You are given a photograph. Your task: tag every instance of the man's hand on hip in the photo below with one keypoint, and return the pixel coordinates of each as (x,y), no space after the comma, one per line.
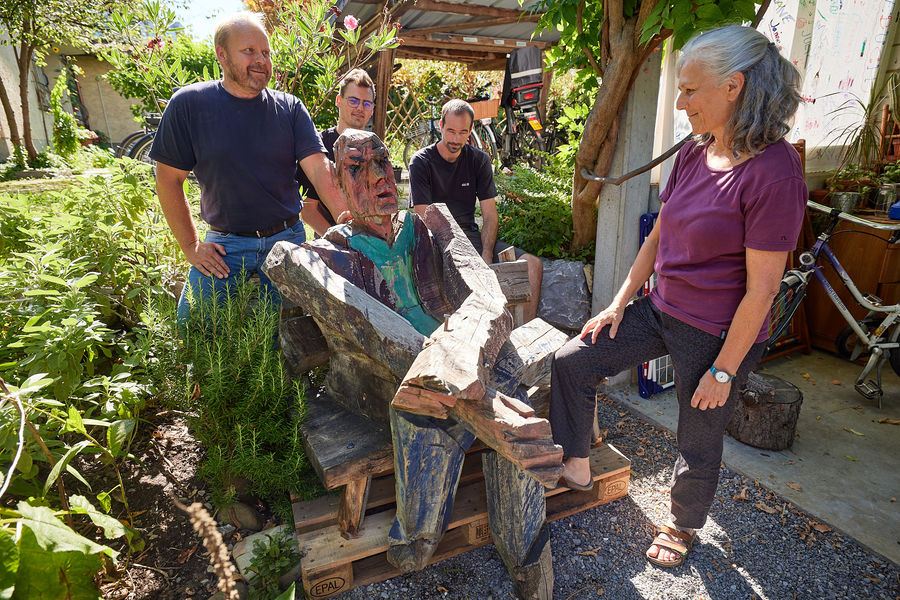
(207,257)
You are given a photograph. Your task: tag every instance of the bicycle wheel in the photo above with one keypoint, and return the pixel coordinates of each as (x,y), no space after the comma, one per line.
(529,146)
(484,134)
(423,135)
(847,341)
(141,150)
(895,352)
(786,303)
(129,141)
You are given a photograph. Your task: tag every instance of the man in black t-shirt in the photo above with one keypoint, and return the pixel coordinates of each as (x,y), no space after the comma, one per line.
(243,142)
(356,103)
(455,173)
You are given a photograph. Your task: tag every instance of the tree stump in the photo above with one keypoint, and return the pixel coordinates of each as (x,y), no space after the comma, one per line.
(766,414)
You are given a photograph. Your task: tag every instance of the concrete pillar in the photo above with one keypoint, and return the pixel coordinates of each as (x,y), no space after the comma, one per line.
(620,207)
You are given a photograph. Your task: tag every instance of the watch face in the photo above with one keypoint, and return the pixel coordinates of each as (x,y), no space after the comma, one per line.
(722,377)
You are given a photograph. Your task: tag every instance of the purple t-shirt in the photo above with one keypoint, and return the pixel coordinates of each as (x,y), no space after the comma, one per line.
(710,218)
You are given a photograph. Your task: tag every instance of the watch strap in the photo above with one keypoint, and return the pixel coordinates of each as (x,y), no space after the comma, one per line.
(714,371)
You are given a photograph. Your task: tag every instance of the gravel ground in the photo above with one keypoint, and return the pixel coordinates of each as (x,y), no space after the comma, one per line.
(755,545)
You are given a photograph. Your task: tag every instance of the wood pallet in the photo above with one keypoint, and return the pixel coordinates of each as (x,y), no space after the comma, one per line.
(331,564)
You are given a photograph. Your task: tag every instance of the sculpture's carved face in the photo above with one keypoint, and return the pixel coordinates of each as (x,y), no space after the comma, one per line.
(365,175)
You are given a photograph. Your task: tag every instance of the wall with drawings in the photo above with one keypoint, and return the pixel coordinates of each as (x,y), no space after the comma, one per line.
(846,44)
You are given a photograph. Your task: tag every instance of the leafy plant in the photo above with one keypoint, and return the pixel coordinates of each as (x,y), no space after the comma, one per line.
(891,173)
(272,558)
(66,138)
(312,47)
(247,409)
(861,139)
(536,214)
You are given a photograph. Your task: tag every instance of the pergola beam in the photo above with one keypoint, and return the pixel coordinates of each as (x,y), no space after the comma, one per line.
(470,42)
(526,18)
(463,56)
(473,10)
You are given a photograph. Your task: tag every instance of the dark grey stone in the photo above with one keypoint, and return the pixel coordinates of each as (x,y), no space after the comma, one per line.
(565,299)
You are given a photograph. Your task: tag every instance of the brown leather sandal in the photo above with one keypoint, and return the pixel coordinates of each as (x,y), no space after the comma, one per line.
(681,545)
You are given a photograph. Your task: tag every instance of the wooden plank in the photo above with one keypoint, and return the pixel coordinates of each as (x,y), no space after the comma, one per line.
(525,18)
(326,553)
(513,280)
(465,41)
(343,446)
(465,8)
(329,582)
(527,357)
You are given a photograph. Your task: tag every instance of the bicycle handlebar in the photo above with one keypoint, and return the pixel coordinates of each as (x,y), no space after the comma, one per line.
(852,218)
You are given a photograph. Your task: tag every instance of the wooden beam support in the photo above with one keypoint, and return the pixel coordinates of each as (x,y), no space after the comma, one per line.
(353,507)
(382,89)
(463,56)
(491,64)
(464,42)
(463,8)
(526,18)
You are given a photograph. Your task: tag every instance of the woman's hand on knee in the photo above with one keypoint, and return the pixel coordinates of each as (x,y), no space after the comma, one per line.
(610,315)
(710,393)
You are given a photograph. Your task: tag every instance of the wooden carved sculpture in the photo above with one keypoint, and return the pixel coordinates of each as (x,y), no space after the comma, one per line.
(430,372)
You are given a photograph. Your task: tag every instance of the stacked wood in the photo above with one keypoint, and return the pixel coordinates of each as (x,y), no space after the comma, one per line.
(332,564)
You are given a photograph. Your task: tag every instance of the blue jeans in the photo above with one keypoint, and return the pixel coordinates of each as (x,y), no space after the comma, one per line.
(244,256)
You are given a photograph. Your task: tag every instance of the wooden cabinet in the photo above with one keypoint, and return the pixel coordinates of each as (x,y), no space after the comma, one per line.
(871,263)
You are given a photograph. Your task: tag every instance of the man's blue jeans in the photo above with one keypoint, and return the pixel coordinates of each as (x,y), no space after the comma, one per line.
(244,256)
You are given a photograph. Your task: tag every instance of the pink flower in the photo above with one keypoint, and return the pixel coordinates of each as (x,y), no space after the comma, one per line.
(350,22)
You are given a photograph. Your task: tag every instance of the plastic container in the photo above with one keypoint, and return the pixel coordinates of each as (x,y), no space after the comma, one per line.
(894,212)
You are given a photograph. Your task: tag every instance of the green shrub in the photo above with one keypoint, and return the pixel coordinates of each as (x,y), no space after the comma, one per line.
(536,213)
(66,135)
(247,408)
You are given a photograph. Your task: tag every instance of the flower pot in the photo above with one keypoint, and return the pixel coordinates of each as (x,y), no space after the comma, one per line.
(844,201)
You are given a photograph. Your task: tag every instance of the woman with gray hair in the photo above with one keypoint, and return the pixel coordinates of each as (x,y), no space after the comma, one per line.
(731,212)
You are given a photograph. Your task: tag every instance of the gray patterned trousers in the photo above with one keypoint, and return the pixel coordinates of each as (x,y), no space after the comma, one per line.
(646,333)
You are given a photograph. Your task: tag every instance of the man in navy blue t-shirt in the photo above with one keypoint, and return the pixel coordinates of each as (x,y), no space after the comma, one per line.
(453,172)
(243,141)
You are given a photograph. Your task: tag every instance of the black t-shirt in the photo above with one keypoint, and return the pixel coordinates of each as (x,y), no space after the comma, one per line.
(244,152)
(329,137)
(457,184)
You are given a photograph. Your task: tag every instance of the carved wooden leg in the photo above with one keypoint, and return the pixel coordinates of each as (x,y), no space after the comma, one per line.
(518,513)
(428,460)
(353,507)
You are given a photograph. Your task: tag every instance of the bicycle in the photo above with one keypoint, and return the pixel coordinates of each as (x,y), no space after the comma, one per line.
(151,122)
(872,335)
(522,137)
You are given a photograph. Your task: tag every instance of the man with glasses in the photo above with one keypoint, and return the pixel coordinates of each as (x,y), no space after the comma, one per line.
(356,103)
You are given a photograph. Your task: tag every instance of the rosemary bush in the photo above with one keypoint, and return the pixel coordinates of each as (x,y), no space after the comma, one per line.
(247,408)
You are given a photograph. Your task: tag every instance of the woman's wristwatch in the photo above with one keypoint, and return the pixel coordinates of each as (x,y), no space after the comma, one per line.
(720,375)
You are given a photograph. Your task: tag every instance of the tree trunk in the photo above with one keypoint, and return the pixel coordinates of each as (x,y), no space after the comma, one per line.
(24,70)
(601,130)
(10,116)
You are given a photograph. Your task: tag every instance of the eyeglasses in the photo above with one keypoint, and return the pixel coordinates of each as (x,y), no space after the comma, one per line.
(354,102)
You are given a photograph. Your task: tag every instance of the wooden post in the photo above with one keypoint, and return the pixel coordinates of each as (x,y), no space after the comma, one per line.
(353,507)
(545,92)
(382,89)
(428,460)
(517,513)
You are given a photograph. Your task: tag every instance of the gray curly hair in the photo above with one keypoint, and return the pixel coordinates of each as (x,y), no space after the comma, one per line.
(771,90)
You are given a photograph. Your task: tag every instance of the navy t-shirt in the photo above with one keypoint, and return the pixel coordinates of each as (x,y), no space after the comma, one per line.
(244,152)
(457,184)
(329,137)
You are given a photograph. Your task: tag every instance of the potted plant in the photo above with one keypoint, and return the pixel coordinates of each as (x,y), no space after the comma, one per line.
(851,186)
